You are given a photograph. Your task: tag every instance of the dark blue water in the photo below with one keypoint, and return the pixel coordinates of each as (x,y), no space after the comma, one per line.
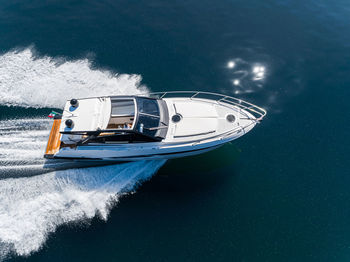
(280,193)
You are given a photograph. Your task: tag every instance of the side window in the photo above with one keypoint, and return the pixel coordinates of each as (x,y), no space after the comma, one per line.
(118,138)
(113,138)
(148,106)
(121,138)
(146,122)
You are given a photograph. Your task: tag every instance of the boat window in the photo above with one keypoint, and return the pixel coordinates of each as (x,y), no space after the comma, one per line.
(147,124)
(122,107)
(148,106)
(149,116)
(121,138)
(122,114)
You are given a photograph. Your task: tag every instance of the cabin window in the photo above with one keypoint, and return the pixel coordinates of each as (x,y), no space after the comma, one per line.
(145,124)
(122,114)
(122,107)
(148,106)
(121,138)
(148,117)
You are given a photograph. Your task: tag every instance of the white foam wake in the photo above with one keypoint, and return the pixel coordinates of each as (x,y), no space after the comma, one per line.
(32,207)
(33,81)
(22,144)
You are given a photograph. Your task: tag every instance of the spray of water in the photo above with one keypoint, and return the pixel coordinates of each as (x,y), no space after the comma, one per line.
(31,207)
(29,80)
(22,143)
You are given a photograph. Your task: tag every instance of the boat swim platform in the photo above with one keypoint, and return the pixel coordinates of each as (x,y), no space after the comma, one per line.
(54,143)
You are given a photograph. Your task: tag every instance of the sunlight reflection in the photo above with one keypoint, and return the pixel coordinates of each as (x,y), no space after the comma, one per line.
(236,82)
(231,64)
(246,77)
(259,72)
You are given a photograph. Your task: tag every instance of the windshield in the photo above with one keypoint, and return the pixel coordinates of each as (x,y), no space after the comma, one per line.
(148,106)
(149,116)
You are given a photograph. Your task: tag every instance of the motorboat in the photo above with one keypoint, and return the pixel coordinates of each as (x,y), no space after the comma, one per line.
(159,125)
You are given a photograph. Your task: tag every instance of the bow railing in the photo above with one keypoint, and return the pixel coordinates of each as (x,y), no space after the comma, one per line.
(258,112)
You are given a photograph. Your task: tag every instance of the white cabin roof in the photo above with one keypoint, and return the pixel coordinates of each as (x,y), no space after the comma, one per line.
(90,114)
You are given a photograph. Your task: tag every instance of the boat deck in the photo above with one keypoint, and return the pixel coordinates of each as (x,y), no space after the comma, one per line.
(54,143)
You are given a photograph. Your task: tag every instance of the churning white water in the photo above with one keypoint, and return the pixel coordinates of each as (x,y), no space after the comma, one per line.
(42,81)
(22,143)
(31,207)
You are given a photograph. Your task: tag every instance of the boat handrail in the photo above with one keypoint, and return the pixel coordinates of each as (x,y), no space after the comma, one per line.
(258,112)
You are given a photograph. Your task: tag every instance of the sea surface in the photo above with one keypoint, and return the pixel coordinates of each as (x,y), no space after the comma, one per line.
(279,193)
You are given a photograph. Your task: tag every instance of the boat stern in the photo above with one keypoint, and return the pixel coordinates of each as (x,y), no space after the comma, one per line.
(54,142)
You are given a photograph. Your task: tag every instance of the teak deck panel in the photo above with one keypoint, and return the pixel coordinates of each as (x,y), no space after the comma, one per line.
(54,143)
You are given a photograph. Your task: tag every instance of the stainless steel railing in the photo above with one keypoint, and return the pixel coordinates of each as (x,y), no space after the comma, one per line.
(258,112)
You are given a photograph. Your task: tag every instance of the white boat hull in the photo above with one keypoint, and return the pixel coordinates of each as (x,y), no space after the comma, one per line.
(204,124)
(136,152)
